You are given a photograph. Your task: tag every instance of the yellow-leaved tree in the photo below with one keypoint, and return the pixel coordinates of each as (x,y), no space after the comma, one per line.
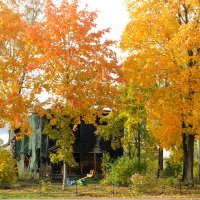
(163,50)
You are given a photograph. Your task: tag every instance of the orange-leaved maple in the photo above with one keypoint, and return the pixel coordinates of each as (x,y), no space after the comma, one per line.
(163,47)
(78,63)
(64,54)
(79,70)
(17,82)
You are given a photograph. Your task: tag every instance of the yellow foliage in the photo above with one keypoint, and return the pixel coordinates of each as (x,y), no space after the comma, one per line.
(53,121)
(7,169)
(162,43)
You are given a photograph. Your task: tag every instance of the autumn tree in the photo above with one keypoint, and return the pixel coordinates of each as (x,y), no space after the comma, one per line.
(60,127)
(78,63)
(12,68)
(64,55)
(18,85)
(162,42)
(125,127)
(30,10)
(78,66)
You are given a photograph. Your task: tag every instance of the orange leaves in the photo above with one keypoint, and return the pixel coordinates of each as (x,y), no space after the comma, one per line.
(18,119)
(18,59)
(30,67)
(10,23)
(64,55)
(75,56)
(53,121)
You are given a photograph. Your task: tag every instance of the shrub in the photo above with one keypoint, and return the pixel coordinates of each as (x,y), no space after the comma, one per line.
(7,169)
(106,163)
(45,186)
(24,175)
(172,169)
(150,185)
(122,170)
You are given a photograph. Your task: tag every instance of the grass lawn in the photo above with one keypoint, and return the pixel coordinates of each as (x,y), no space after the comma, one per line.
(27,190)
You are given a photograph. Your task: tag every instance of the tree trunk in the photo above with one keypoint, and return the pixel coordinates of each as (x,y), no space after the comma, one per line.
(64,175)
(198,157)
(139,148)
(160,161)
(188,157)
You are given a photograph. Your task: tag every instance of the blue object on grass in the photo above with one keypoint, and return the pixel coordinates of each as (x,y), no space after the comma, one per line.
(70,181)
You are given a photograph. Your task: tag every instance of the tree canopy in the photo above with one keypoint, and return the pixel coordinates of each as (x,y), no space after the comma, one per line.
(162,42)
(63,54)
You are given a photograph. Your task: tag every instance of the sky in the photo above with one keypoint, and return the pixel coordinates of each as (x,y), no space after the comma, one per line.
(111,14)
(4,134)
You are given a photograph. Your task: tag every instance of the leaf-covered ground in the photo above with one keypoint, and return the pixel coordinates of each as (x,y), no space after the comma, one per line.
(54,190)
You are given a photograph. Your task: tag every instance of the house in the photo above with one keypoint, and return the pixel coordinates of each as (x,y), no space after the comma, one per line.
(32,153)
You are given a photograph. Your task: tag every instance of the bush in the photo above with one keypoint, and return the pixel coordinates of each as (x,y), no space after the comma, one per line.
(45,186)
(122,170)
(172,169)
(106,163)
(7,169)
(150,185)
(24,175)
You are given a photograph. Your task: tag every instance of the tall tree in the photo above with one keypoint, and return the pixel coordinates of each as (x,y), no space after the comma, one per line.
(19,83)
(31,10)
(63,54)
(126,127)
(77,63)
(60,128)
(15,55)
(79,69)
(162,43)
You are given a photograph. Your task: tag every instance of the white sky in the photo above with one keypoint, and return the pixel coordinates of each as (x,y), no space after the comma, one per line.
(112,14)
(4,134)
